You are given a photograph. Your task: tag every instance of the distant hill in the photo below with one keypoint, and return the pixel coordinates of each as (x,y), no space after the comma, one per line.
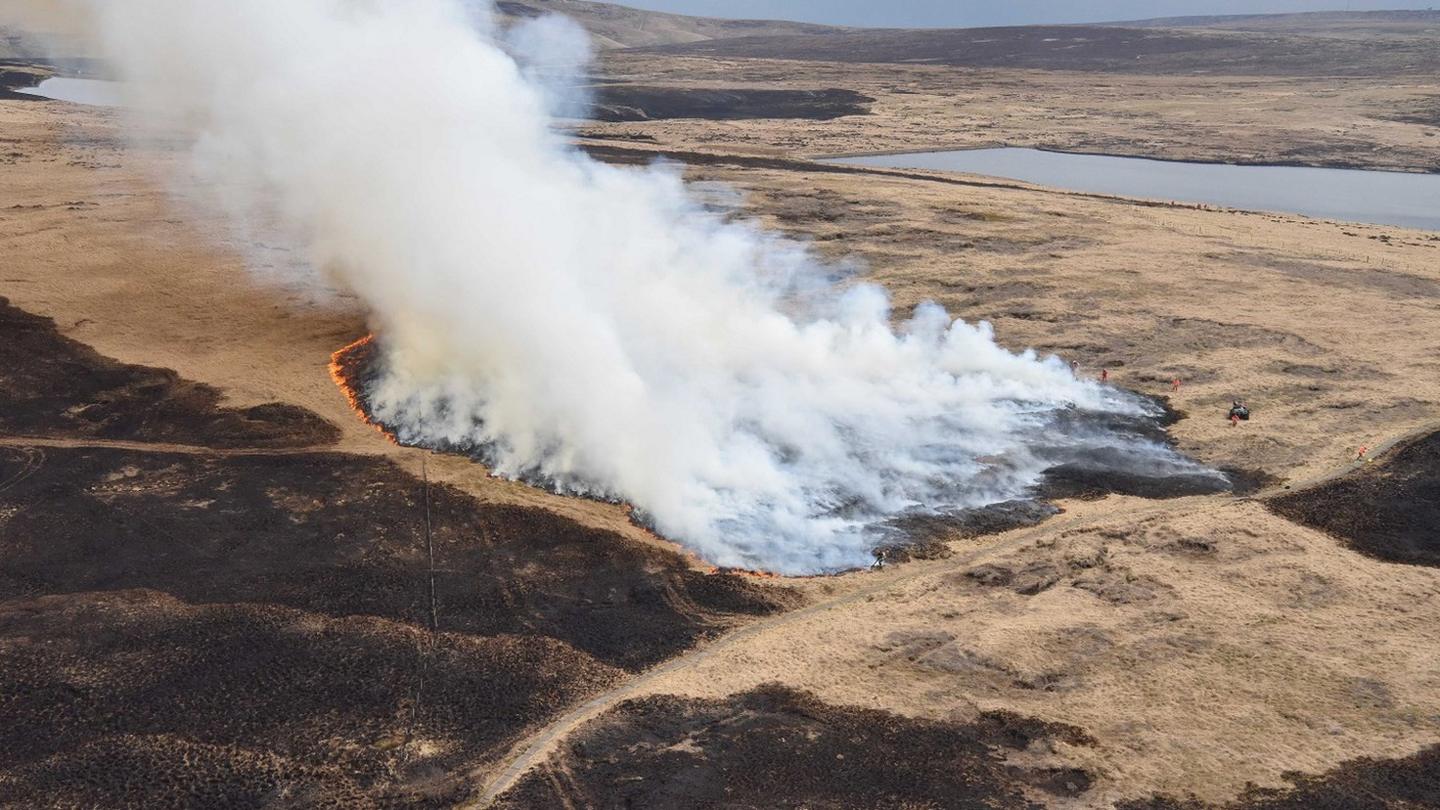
(1378,43)
(613,26)
(1141,49)
(616,26)
(619,26)
(1319,23)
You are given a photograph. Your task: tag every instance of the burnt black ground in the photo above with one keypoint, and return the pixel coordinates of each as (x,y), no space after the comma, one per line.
(341,535)
(1102,49)
(203,629)
(136,699)
(16,75)
(1404,783)
(1389,510)
(284,644)
(207,630)
(779,748)
(55,387)
(625,102)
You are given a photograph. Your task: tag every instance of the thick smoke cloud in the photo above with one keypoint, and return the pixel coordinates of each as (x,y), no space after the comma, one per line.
(554,52)
(584,325)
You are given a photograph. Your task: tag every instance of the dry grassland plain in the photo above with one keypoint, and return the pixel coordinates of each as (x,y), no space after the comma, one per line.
(1202,649)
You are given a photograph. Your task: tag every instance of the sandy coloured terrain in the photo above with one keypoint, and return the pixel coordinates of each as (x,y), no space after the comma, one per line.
(1387,122)
(1143,648)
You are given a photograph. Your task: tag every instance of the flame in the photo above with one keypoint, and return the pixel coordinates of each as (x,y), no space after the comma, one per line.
(746,572)
(352,396)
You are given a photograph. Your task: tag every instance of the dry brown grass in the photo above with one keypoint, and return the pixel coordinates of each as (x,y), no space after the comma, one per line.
(1204,643)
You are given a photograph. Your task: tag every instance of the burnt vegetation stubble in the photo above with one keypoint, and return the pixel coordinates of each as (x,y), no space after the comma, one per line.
(1389,510)
(200,628)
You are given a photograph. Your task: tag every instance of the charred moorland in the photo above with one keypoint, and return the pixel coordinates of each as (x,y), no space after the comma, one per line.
(242,619)
(778,747)
(54,387)
(1388,509)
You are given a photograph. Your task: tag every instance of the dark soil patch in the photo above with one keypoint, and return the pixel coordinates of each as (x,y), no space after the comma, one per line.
(135,699)
(12,82)
(614,103)
(1389,510)
(1082,482)
(922,537)
(778,748)
(593,135)
(206,629)
(1248,481)
(1109,49)
(343,535)
(1391,282)
(1199,336)
(55,387)
(1425,113)
(1407,783)
(16,75)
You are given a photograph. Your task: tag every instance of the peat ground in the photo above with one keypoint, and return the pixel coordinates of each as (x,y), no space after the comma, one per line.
(775,747)
(54,387)
(198,628)
(1389,509)
(1099,49)
(1403,783)
(626,102)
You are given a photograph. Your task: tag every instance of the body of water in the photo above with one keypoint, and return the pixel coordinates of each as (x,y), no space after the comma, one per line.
(1381,198)
(80,91)
(1351,195)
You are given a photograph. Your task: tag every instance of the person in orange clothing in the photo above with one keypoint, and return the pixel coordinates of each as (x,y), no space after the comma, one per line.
(1238,413)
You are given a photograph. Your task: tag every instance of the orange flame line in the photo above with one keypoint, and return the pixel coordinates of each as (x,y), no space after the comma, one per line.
(337,374)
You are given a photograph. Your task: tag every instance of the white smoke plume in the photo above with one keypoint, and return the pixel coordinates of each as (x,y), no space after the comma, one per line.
(590,326)
(554,52)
